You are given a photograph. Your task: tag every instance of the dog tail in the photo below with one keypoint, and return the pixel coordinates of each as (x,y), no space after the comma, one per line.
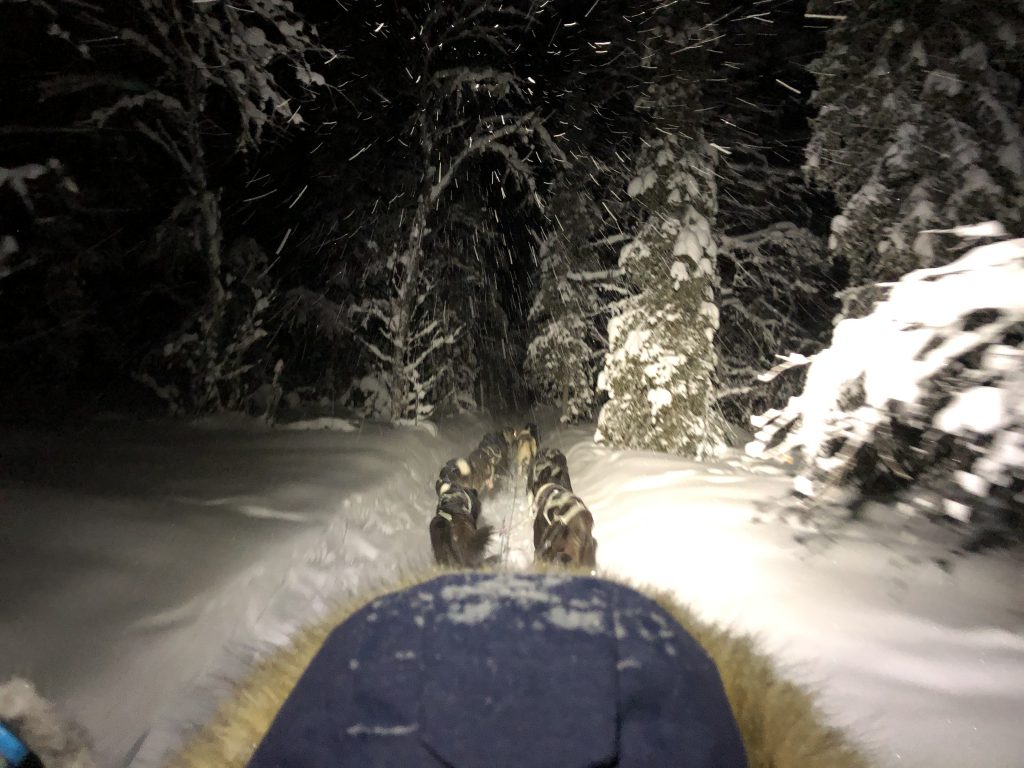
(442,542)
(478,543)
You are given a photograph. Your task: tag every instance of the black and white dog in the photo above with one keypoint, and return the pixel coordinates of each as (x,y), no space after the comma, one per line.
(455,536)
(563,528)
(549,466)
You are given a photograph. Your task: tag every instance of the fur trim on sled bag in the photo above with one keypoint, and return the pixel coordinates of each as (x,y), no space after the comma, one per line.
(495,668)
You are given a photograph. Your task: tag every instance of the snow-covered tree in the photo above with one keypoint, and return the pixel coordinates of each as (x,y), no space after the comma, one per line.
(660,369)
(775,298)
(455,301)
(919,126)
(467,106)
(186,376)
(573,289)
(562,357)
(189,72)
(926,392)
(319,342)
(19,182)
(471,250)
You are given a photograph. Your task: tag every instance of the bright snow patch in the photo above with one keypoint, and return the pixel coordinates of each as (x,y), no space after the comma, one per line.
(659,398)
(591,622)
(382,730)
(979,410)
(324,422)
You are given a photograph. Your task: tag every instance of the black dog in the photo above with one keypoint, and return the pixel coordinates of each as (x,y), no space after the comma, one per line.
(455,473)
(455,537)
(549,466)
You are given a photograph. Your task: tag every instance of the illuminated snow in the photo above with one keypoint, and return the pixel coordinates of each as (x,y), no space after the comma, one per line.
(927,664)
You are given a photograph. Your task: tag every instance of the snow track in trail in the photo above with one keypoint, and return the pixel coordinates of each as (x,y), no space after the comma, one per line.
(371,538)
(508,511)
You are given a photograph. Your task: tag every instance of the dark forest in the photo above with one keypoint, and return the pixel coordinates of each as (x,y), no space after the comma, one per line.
(772,229)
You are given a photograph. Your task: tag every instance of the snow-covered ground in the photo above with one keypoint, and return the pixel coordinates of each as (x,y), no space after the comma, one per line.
(143,566)
(919,651)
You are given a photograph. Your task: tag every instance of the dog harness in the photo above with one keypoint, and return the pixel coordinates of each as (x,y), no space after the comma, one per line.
(452,491)
(567,518)
(548,489)
(564,520)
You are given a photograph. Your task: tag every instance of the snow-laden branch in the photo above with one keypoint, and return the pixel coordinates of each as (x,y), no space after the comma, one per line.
(496,83)
(169,105)
(778,231)
(792,360)
(19,177)
(374,350)
(160,137)
(468,19)
(939,356)
(596,276)
(619,237)
(481,142)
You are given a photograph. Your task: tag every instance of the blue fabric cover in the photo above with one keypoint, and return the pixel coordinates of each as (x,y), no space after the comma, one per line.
(488,670)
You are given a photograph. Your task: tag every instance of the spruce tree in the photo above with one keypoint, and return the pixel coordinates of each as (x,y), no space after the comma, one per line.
(659,372)
(918,127)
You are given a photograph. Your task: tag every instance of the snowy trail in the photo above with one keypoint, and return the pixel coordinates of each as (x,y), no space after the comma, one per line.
(145,566)
(508,511)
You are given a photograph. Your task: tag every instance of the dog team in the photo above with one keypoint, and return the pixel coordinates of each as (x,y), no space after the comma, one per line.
(563,527)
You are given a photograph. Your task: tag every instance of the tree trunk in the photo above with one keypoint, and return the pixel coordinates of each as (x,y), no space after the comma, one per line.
(211,320)
(403,307)
(210,241)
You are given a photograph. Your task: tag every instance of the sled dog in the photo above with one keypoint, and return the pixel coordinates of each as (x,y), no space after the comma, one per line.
(496,446)
(455,473)
(549,466)
(524,451)
(563,528)
(482,470)
(477,471)
(455,537)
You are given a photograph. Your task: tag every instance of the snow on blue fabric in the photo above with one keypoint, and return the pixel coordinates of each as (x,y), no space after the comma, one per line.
(483,670)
